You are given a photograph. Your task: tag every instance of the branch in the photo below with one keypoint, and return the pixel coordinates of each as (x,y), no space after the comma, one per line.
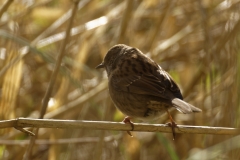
(117,126)
(61,141)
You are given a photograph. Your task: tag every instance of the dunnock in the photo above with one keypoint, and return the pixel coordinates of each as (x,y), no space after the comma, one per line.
(139,87)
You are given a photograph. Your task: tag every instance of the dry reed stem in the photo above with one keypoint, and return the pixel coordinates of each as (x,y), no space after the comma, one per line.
(61,141)
(52,81)
(5,7)
(125,21)
(117,126)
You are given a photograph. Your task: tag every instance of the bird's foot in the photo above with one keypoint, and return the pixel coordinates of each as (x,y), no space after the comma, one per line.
(127,120)
(173,125)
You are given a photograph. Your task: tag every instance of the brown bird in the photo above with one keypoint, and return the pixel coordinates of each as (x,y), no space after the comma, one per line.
(140,88)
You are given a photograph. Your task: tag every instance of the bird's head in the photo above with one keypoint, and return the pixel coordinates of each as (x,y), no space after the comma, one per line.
(112,57)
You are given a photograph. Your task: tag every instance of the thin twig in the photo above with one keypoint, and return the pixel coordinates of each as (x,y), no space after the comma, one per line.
(24,12)
(5,7)
(35,43)
(25,131)
(117,126)
(125,21)
(60,141)
(159,24)
(52,80)
(58,64)
(59,22)
(172,40)
(8,123)
(73,105)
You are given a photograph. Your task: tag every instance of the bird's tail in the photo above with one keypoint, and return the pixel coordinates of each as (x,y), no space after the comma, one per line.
(184,107)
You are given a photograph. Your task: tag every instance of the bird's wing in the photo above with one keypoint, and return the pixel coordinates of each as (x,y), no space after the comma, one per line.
(158,84)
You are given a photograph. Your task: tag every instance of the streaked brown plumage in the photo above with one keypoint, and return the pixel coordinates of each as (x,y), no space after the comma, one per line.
(139,87)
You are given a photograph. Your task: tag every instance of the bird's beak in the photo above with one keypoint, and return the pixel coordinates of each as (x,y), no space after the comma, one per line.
(100,66)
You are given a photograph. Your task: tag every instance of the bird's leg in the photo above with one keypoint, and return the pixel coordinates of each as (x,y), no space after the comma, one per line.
(127,120)
(172,124)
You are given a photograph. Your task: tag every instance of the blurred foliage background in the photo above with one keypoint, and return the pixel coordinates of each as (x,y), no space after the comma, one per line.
(196,41)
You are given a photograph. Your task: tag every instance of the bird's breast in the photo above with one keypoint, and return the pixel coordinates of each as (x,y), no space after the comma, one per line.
(137,105)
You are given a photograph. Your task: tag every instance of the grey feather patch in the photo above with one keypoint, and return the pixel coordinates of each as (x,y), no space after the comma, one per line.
(184,107)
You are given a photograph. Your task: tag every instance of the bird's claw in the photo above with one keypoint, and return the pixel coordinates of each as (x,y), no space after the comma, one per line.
(173,125)
(127,120)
